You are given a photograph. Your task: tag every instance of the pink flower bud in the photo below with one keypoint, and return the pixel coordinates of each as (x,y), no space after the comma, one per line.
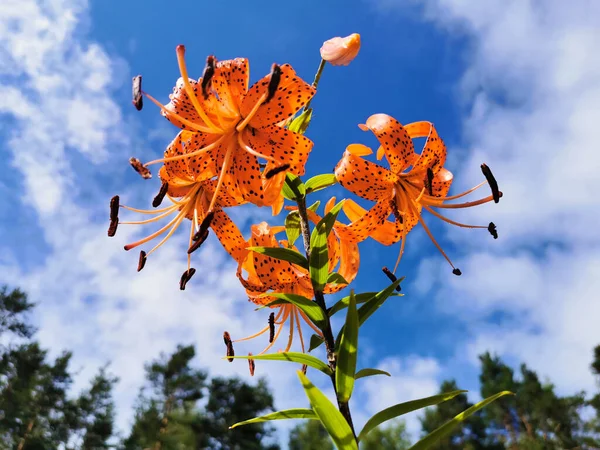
(341,51)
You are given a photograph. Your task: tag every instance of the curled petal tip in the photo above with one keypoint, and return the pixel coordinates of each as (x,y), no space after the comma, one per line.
(340,51)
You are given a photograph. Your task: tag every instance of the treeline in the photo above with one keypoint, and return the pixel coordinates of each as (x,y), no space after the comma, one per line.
(182,407)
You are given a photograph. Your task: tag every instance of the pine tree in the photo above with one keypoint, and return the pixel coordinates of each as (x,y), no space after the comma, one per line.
(391,437)
(309,435)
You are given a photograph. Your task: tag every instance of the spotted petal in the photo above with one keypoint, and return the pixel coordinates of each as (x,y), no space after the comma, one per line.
(433,155)
(394,139)
(365,179)
(230,81)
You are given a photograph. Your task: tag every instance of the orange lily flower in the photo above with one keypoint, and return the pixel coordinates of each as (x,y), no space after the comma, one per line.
(189,200)
(266,274)
(413,182)
(227,127)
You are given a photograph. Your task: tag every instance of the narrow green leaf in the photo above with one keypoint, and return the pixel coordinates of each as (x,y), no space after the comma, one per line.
(301,122)
(293,187)
(447,428)
(404,408)
(369,372)
(370,306)
(319,182)
(330,417)
(310,308)
(301,358)
(336,278)
(285,254)
(319,258)
(315,341)
(360,298)
(292,227)
(294,413)
(315,206)
(346,364)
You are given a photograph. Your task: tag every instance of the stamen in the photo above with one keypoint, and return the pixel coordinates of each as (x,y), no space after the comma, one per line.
(452,222)
(250,150)
(198,242)
(457,272)
(285,316)
(273,82)
(180,219)
(207,75)
(188,123)
(299,329)
(188,155)
(142,261)
(114,216)
(304,367)
(469,204)
(489,176)
(462,194)
(240,126)
(161,194)
(403,241)
(154,219)
(140,168)
(251,365)
(429,181)
(204,225)
(391,276)
(187,276)
(271,173)
(310,324)
(492,230)
(291,335)
(224,169)
(264,330)
(190,91)
(271,327)
(229,345)
(147,211)
(136,92)
(155,234)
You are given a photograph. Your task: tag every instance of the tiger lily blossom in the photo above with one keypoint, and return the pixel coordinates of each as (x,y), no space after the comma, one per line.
(227,127)
(189,200)
(266,274)
(412,183)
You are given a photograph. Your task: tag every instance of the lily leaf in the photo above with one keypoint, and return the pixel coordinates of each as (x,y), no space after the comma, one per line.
(346,364)
(370,372)
(292,227)
(447,428)
(360,298)
(330,417)
(285,254)
(336,278)
(293,187)
(294,413)
(315,206)
(404,408)
(315,341)
(301,358)
(310,308)
(301,122)
(319,257)
(319,182)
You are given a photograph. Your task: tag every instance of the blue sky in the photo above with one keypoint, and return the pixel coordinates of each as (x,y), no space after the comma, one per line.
(509,83)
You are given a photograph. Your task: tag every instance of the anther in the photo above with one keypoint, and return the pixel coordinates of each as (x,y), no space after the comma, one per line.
(271,327)
(273,82)
(457,272)
(204,226)
(271,173)
(251,365)
(185,277)
(489,176)
(229,345)
(142,260)
(136,93)
(304,367)
(198,241)
(492,229)
(429,181)
(114,216)
(161,195)
(207,75)
(391,276)
(140,168)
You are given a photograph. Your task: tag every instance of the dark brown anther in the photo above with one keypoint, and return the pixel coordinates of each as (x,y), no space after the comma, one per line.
(207,75)
(391,276)
(457,272)
(492,229)
(271,327)
(198,242)
(271,173)
(489,176)
(204,226)
(161,195)
(229,345)
(273,82)
(304,367)
(251,365)
(136,92)
(142,260)
(114,216)
(429,181)
(140,168)
(185,277)
(112,228)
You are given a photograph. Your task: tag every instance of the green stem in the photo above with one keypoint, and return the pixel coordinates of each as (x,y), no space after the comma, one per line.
(316,81)
(320,300)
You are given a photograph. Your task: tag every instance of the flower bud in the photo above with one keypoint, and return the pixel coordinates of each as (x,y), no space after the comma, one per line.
(341,51)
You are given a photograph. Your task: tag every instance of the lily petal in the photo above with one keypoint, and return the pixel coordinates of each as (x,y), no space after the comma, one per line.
(396,143)
(365,179)
(433,155)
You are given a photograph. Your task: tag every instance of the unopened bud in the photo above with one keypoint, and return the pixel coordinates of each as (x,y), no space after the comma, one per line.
(340,51)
